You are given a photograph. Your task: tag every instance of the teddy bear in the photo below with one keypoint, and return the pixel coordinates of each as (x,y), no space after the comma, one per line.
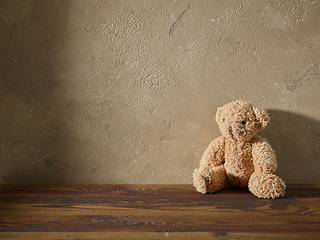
(240,158)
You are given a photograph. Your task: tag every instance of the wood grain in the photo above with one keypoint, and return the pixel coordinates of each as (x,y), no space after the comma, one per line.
(156,211)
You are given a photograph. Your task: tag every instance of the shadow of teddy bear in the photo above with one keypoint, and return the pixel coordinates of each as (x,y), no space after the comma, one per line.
(296,140)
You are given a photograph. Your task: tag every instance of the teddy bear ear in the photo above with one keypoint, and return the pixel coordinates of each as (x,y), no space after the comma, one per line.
(219,115)
(262,117)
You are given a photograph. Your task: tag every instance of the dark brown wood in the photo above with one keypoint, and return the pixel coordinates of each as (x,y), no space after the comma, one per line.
(156,210)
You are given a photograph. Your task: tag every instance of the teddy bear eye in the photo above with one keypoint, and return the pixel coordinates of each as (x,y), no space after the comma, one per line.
(243,122)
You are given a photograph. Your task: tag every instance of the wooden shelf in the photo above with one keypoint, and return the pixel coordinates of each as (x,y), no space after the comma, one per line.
(155,212)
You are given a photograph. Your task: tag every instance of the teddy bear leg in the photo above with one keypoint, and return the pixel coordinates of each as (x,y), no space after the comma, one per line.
(210,179)
(266,185)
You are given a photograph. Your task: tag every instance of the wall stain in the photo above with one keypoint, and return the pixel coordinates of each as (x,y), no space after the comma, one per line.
(311,74)
(167,137)
(177,23)
(51,163)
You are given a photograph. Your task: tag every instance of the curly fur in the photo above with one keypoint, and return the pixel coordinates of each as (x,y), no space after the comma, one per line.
(239,158)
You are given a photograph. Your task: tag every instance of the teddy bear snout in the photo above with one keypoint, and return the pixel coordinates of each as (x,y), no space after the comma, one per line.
(239,131)
(230,131)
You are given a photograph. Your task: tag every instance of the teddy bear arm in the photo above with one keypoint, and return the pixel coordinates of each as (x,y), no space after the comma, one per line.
(213,156)
(264,157)
(263,183)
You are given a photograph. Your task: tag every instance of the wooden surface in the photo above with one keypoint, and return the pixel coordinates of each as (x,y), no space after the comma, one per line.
(155,212)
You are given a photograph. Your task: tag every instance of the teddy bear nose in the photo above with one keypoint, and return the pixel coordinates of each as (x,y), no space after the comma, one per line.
(243,122)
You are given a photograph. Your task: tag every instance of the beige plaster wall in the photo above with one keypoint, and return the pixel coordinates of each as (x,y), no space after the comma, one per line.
(126,91)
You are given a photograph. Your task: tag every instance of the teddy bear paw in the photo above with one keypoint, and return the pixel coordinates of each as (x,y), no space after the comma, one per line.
(267,186)
(209,180)
(198,182)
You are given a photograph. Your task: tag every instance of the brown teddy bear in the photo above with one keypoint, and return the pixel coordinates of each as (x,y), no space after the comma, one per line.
(240,158)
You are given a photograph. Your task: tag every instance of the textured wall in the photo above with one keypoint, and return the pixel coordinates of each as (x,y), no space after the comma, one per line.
(126,91)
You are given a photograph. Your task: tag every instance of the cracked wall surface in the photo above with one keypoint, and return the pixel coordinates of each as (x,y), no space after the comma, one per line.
(127,91)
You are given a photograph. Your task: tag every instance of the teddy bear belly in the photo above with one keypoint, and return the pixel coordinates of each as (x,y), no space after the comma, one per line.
(238,173)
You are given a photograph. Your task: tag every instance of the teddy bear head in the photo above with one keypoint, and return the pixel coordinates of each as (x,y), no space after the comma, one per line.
(240,120)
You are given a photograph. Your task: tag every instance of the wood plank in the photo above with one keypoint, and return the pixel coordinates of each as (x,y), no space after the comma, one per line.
(150,235)
(157,209)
